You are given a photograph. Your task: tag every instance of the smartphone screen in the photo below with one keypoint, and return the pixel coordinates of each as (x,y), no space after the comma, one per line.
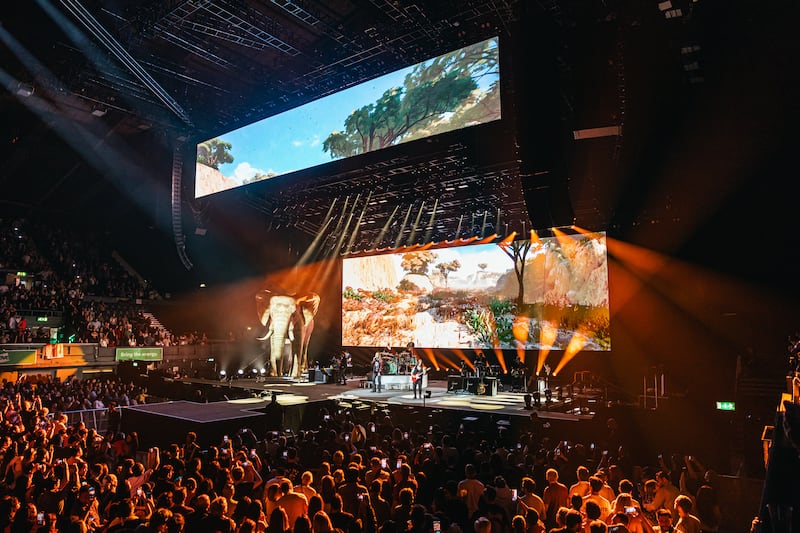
(437,528)
(384,463)
(40,519)
(399,463)
(514,494)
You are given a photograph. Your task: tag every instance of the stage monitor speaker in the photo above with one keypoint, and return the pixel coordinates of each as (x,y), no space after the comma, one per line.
(548,204)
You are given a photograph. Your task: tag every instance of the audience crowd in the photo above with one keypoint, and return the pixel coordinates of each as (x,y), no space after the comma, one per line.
(66,273)
(345,475)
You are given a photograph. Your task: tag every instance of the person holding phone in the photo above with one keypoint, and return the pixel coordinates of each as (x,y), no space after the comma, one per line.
(85,513)
(377,471)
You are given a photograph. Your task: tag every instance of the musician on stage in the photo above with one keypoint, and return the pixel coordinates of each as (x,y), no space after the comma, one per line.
(417,372)
(377,372)
(480,364)
(343,368)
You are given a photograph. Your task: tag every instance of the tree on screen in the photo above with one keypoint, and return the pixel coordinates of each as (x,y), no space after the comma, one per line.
(445,85)
(418,262)
(446,268)
(518,251)
(214,153)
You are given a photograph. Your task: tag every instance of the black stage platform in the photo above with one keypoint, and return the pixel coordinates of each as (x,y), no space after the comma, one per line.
(242,403)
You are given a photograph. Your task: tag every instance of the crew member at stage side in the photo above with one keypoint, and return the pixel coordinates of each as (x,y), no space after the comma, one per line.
(464,369)
(377,372)
(417,372)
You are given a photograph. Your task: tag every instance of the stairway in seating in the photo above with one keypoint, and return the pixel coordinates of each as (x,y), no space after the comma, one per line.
(155,322)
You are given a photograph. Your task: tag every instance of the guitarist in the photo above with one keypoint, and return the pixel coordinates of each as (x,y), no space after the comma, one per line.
(416,377)
(377,372)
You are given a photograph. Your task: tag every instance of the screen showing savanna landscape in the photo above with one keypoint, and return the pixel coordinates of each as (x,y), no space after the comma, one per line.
(530,294)
(445,93)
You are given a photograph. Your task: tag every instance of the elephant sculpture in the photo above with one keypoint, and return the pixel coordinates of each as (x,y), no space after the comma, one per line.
(281,314)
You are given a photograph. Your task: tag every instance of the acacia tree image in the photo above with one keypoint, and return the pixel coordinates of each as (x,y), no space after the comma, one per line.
(445,85)
(445,268)
(518,251)
(214,152)
(418,262)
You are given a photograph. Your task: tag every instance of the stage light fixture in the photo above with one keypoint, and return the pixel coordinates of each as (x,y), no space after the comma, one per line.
(99,111)
(241,371)
(548,395)
(255,371)
(222,373)
(25,90)
(427,394)
(263,371)
(527,398)
(537,399)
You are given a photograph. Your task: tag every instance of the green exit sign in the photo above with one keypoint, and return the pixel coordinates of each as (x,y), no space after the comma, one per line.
(41,319)
(726,406)
(22,274)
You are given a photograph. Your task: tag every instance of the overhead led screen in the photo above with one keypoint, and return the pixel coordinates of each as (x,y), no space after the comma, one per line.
(448,92)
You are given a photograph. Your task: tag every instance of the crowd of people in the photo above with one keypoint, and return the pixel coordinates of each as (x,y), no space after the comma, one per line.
(74,276)
(347,474)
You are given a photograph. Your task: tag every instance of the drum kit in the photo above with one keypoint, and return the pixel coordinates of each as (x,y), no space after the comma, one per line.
(394,364)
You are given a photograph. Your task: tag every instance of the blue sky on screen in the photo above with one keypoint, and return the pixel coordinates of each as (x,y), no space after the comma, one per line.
(292,140)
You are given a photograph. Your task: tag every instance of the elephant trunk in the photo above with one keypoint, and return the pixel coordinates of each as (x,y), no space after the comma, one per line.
(280,329)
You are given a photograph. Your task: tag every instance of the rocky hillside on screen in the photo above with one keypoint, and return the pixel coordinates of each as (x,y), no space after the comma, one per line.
(566,289)
(210,180)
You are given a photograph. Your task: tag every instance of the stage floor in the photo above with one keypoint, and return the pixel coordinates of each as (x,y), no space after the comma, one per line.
(293,393)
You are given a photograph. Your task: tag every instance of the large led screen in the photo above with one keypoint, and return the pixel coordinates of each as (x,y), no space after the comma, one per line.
(445,93)
(471,296)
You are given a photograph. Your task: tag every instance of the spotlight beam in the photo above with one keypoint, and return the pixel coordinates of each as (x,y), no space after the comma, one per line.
(416,224)
(352,240)
(385,228)
(429,229)
(403,227)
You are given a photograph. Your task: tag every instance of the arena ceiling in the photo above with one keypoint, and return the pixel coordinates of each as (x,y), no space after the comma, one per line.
(99,94)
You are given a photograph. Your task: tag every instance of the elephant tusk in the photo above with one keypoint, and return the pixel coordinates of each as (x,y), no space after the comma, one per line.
(265,337)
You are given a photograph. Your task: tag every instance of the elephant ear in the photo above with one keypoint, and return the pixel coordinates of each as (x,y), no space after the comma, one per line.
(262,303)
(308,305)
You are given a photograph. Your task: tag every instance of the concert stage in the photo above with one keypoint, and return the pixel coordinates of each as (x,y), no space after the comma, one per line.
(243,403)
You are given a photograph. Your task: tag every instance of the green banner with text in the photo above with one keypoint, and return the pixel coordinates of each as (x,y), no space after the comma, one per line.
(17,357)
(140,354)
